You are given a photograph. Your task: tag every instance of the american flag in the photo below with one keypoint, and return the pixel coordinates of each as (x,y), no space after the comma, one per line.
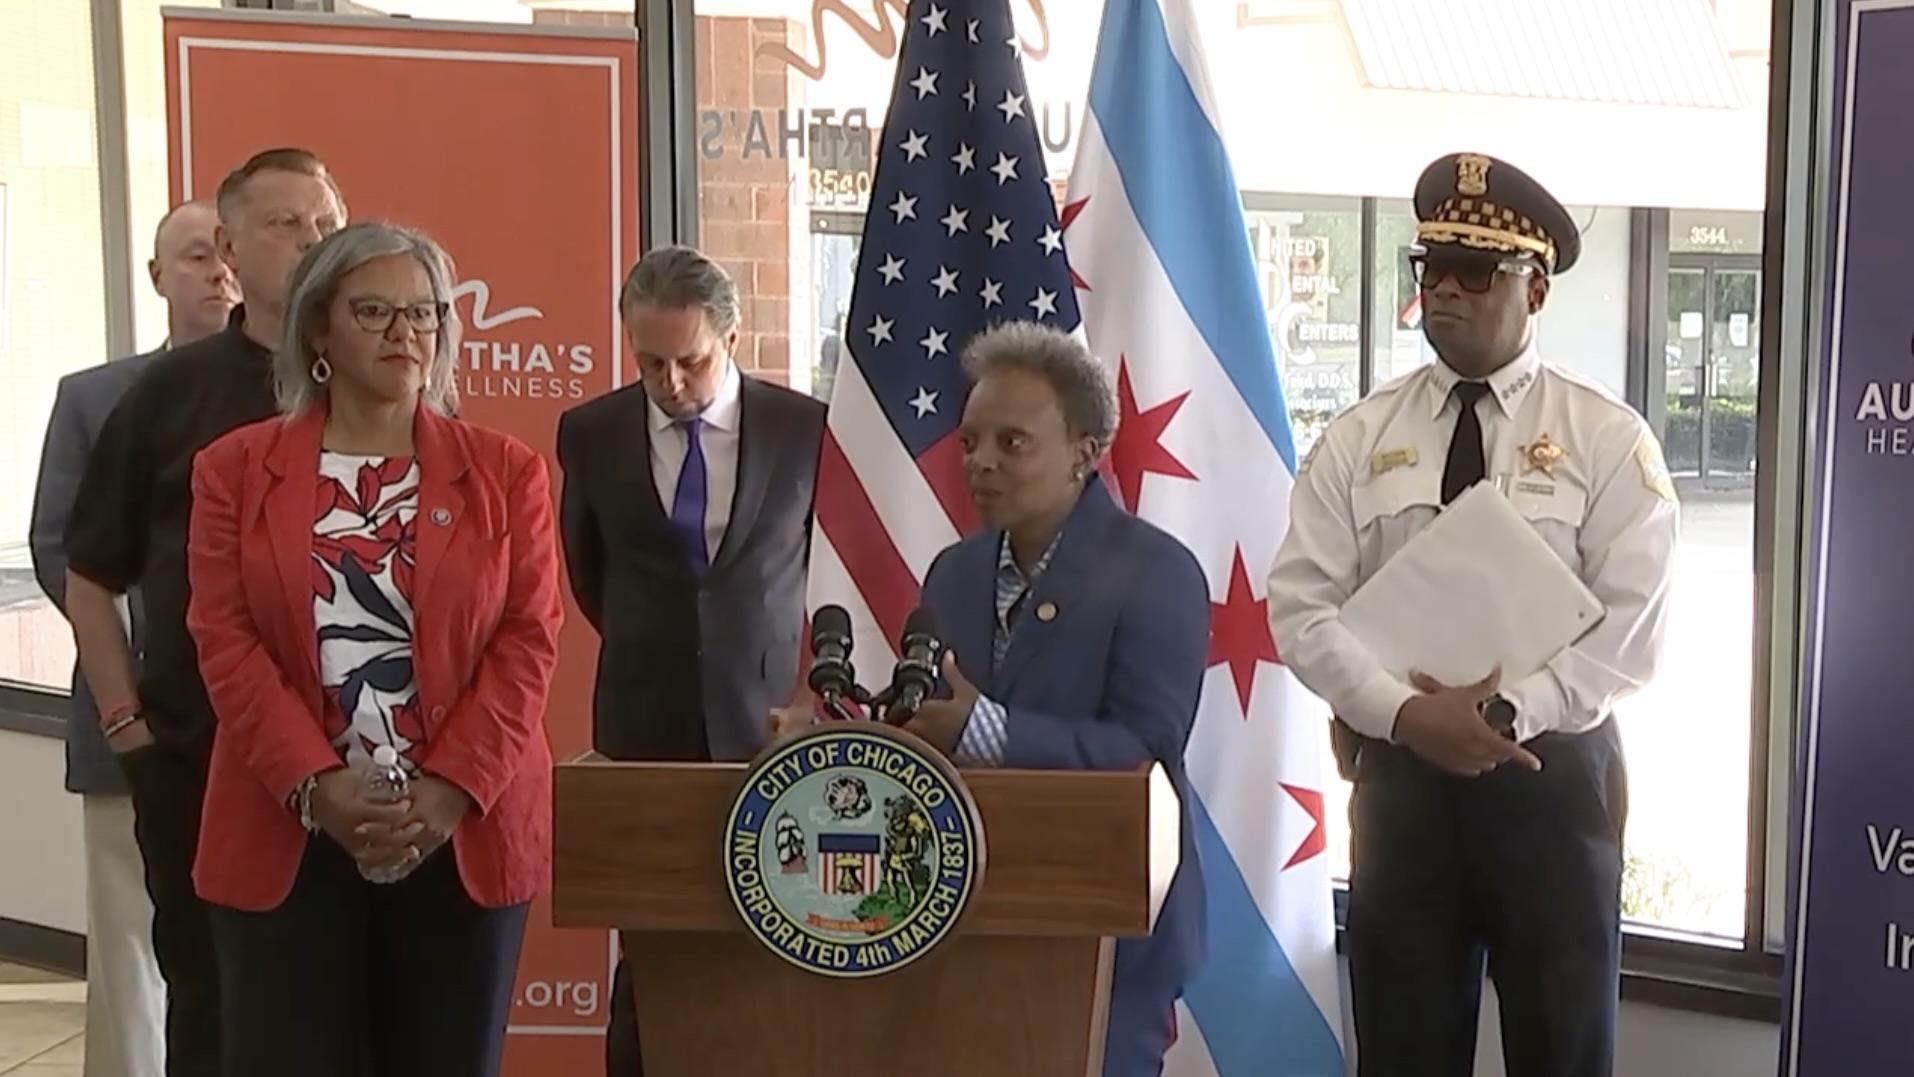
(962,233)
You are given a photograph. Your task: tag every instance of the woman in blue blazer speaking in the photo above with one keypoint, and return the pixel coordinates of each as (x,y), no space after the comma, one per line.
(1077,634)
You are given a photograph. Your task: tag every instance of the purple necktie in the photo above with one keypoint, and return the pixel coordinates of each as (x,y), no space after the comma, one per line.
(687,507)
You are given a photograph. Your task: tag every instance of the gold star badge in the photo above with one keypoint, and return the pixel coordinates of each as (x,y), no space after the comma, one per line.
(1542,455)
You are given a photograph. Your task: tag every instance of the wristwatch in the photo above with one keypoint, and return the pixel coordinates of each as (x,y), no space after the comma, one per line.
(1500,714)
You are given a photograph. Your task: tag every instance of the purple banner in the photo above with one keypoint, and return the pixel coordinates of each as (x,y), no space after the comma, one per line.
(1850,984)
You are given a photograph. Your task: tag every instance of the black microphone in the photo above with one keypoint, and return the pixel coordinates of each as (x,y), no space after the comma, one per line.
(832,675)
(915,677)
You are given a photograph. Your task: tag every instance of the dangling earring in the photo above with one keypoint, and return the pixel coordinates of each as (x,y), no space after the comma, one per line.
(321,371)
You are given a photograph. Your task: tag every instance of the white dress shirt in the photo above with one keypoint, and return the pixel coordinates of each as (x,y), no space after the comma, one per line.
(1579,464)
(719,439)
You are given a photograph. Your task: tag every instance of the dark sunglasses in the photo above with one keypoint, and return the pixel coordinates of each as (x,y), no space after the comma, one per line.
(1471,272)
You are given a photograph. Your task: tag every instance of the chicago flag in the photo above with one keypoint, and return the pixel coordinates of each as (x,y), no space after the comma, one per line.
(1166,286)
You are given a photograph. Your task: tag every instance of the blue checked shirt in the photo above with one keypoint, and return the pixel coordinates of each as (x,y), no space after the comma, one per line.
(986,732)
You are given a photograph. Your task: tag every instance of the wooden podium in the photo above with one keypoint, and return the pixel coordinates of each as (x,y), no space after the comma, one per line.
(1020,989)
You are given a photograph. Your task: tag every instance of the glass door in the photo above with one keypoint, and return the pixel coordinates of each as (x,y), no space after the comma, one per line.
(1734,354)
(1713,357)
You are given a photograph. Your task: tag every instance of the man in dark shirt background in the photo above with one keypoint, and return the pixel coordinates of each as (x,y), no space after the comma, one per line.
(129,528)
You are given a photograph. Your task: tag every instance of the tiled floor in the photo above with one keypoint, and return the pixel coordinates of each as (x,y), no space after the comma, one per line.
(42,1023)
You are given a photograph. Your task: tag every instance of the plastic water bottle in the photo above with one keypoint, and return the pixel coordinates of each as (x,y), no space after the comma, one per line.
(385,782)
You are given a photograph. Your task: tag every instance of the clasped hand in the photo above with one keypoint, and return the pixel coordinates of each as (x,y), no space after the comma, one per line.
(388,835)
(1444,726)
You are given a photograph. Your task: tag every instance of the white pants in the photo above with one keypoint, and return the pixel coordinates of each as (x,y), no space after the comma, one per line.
(125,997)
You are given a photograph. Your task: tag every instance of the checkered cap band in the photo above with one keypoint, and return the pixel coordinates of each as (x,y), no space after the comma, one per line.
(1486,225)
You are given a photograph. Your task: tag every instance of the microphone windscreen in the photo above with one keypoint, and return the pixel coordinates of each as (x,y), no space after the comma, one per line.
(920,623)
(830,621)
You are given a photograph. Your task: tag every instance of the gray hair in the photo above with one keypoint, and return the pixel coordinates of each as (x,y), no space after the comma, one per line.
(1081,382)
(681,277)
(309,304)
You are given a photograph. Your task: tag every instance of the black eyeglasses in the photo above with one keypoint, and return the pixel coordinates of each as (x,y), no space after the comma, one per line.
(1472,273)
(377,316)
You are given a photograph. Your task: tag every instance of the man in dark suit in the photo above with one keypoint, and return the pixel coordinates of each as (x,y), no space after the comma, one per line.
(125,997)
(687,520)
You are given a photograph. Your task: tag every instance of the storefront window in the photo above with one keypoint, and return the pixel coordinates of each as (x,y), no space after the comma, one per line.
(1397,324)
(52,293)
(1309,263)
(791,105)
(1687,733)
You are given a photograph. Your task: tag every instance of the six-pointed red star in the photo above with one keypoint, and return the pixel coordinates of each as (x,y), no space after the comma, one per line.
(1239,632)
(1239,626)
(1070,212)
(1318,839)
(1139,442)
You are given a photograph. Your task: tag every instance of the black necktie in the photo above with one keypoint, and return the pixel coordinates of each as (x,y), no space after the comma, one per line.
(1466,465)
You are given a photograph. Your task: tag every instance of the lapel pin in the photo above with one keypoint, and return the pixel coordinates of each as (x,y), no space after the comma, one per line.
(1047,612)
(441,516)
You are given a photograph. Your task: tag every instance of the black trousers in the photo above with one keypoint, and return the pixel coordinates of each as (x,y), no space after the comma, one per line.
(1518,869)
(622,1058)
(168,787)
(348,978)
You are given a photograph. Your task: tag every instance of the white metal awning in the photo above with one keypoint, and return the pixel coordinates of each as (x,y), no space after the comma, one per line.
(1635,52)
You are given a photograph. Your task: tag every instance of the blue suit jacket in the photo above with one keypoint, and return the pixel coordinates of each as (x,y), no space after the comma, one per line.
(80,408)
(1109,684)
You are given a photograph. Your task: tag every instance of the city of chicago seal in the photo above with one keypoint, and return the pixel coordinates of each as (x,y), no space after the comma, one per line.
(852,849)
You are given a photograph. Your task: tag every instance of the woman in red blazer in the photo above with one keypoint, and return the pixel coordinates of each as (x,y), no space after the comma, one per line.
(367,571)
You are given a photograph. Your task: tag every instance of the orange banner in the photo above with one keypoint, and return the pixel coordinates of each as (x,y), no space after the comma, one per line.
(517,150)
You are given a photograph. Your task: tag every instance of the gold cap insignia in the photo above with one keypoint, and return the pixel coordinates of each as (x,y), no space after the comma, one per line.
(1472,174)
(1542,455)
(1047,612)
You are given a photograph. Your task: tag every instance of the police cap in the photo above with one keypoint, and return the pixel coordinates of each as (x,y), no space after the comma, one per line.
(1478,202)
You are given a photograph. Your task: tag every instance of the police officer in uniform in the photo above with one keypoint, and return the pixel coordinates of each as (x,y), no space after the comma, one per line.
(1487,818)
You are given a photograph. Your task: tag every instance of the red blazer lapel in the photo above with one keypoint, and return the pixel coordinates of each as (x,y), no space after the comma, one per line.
(290,506)
(443,462)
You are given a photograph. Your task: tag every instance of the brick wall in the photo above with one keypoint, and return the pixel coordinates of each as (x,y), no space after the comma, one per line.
(745,218)
(562,17)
